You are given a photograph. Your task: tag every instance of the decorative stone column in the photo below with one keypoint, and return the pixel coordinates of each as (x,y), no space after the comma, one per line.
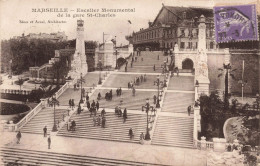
(203,145)
(201,68)
(177,56)
(79,63)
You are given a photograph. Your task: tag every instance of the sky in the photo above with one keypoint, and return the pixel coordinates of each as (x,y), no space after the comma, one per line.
(14,11)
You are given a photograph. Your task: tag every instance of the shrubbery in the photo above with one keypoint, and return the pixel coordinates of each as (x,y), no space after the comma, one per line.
(10,108)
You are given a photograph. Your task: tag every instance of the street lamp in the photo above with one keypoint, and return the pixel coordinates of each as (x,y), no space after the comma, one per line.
(157,83)
(53,102)
(116,60)
(100,68)
(147,108)
(116,54)
(81,80)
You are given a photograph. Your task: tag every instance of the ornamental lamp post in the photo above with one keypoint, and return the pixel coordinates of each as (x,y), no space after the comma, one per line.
(147,108)
(81,96)
(116,60)
(157,83)
(53,102)
(116,54)
(100,68)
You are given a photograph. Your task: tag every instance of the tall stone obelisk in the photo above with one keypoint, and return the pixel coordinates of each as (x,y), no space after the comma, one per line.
(79,63)
(201,72)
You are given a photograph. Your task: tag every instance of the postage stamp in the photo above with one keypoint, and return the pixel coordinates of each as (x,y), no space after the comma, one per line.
(235,23)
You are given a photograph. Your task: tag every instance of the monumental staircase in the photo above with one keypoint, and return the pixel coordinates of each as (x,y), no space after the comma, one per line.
(15,156)
(173,131)
(115,129)
(44,118)
(177,102)
(146,62)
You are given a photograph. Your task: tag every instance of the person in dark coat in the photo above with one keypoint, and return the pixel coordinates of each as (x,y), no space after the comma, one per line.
(131,133)
(120,91)
(116,110)
(49,142)
(73,125)
(103,112)
(45,131)
(111,95)
(154,99)
(117,92)
(133,91)
(79,109)
(154,67)
(142,78)
(103,122)
(189,110)
(87,97)
(93,104)
(98,120)
(99,96)
(88,105)
(18,136)
(125,115)
(97,105)
(119,112)
(70,103)
(129,85)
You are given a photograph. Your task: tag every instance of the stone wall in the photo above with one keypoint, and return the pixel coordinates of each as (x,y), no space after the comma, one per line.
(251,73)
(252,65)
(215,61)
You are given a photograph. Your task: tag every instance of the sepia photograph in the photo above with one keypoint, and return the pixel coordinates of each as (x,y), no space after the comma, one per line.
(130,82)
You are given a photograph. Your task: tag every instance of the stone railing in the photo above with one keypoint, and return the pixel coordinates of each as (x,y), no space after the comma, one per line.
(33,112)
(29,116)
(62,89)
(203,144)
(16,91)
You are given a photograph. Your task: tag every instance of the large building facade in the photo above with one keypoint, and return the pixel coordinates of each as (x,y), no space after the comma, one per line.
(175,25)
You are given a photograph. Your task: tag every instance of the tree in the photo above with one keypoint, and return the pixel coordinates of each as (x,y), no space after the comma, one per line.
(20,83)
(59,71)
(228,72)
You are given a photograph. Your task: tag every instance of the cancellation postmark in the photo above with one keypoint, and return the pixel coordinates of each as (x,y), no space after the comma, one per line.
(235,23)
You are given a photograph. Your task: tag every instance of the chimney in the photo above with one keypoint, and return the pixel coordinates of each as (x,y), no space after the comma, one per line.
(150,24)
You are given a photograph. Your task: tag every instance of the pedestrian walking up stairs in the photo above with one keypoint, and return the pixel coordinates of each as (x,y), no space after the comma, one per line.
(145,63)
(44,118)
(173,131)
(129,101)
(115,129)
(177,102)
(13,156)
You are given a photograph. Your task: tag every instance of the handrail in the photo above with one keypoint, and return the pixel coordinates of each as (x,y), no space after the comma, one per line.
(31,114)
(39,107)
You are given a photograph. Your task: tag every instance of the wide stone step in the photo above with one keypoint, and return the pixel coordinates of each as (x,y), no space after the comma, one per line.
(33,157)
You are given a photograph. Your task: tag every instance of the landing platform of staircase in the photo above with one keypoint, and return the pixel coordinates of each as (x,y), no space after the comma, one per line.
(102,150)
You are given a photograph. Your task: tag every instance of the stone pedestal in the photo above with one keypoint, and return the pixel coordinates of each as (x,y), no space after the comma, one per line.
(203,145)
(203,87)
(219,144)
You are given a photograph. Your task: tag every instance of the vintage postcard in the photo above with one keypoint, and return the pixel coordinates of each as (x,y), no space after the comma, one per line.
(129,82)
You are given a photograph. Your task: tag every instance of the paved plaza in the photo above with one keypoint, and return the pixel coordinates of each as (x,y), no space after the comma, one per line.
(106,149)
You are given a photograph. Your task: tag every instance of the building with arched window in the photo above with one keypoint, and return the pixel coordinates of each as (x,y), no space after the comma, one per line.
(175,25)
